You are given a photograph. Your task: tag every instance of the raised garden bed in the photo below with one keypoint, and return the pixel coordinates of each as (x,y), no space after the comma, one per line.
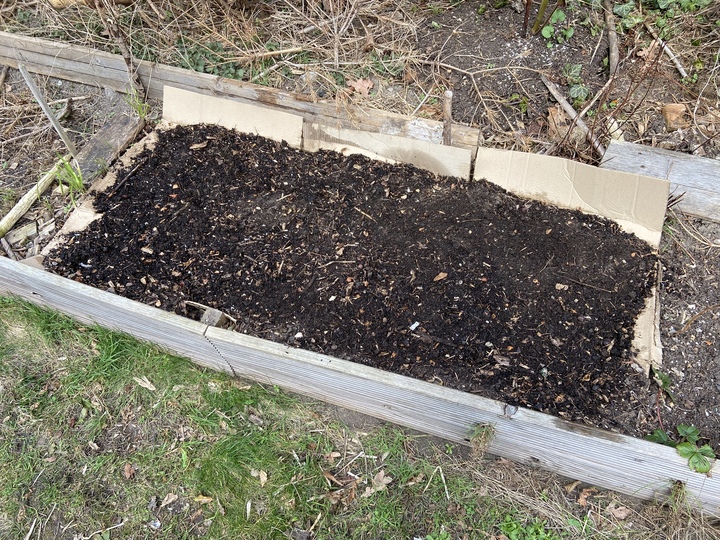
(611,460)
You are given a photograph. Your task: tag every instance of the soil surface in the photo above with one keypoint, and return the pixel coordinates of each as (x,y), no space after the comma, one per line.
(456,283)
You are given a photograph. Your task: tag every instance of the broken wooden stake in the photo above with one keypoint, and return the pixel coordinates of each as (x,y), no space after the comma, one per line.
(447,118)
(613,51)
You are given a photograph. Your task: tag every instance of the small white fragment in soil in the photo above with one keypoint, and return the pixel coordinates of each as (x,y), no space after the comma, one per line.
(333,297)
(154,524)
(299,335)
(414,325)
(561,287)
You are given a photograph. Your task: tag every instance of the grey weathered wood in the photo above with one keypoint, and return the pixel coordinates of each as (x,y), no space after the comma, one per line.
(610,460)
(90,66)
(107,144)
(93,306)
(698,178)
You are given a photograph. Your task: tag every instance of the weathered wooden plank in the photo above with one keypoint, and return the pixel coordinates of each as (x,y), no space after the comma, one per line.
(71,70)
(93,306)
(605,459)
(694,176)
(97,67)
(107,144)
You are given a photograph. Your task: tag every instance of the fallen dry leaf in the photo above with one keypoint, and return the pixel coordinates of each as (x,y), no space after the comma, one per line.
(261,475)
(169,499)
(203,499)
(585,494)
(379,483)
(198,145)
(145,383)
(129,471)
(619,512)
(440,276)
(361,86)
(674,113)
(571,487)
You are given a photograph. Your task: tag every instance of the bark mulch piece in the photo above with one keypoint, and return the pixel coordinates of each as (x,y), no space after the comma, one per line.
(453,282)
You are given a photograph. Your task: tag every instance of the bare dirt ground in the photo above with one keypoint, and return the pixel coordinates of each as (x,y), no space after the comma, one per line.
(408,54)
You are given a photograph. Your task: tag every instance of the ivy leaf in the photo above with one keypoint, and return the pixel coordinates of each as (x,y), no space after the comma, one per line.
(623,10)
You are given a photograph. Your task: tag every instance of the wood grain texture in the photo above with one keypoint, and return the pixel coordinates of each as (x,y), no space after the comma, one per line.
(89,66)
(610,460)
(107,144)
(698,178)
(93,306)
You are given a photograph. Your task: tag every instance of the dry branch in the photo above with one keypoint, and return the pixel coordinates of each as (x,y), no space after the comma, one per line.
(613,52)
(667,51)
(24,204)
(572,113)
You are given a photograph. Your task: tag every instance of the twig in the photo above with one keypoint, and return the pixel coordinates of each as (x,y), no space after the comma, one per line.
(695,317)
(117,186)
(364,214)
(667,50)
(46,109)
(3,75)
(107,529)
(24,204)
(32,528)
(105,11)
(599,148)
(614,53)
(447,118)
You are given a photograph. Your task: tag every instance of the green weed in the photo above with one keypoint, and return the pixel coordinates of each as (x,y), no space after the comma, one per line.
(69,177)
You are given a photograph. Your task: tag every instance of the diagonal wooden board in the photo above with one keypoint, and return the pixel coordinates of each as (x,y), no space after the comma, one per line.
(624,464)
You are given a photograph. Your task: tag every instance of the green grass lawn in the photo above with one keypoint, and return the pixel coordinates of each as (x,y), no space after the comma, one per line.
(106,437)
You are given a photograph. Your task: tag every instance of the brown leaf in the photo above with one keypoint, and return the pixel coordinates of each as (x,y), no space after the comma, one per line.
(619,512)
(169,499)
(440,276)
(129,471)
(260,475)
(361,86)
(674,113)
(381,481)
(571,487)
(585,494)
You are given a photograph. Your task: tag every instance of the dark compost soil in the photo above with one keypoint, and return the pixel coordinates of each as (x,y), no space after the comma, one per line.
(454,282)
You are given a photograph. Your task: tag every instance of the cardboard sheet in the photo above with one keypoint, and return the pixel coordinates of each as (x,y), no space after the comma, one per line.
(185,108)
(436,158)
(634,201)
